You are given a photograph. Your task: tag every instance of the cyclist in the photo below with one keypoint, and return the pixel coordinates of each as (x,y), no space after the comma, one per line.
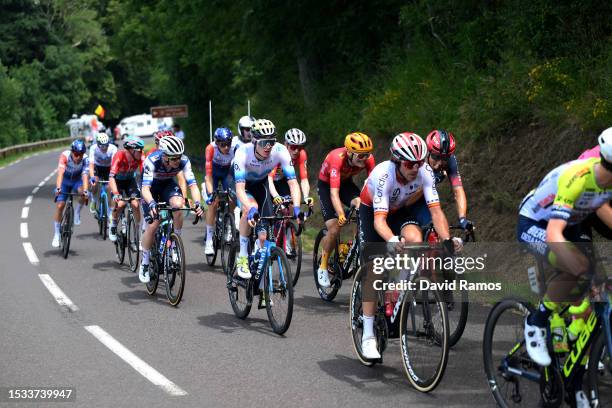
(219,156)
(252,164)
(100,156)
(72,171)
(123,180)
(550,220)
(157,136)
(336,187)
(442,159)
(396,197)
(244,132)
(158,184)
(295,140)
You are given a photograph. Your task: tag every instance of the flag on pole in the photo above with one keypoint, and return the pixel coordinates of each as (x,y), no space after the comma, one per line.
(100,111)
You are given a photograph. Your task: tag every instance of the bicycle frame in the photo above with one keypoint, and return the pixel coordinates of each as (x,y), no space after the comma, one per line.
(102,195)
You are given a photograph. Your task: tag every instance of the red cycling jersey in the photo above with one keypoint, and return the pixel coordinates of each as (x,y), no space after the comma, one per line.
(335,169)
(278,174)
(124,166)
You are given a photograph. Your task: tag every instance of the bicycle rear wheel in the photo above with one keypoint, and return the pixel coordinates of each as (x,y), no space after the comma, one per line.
(278,287)
(120,242)
(600,372)
(457,306)
(104,219)
(424,337)
(504,350)
(227,239)
(154,271)
(133,242)
(293,250)
(335,276)
(240,291)
(174,263)
(66,229)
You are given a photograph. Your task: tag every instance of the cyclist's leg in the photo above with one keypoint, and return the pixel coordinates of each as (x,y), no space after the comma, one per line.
(211,215)
(331,222)
(133,190)
(77,187)
(174,197)
(103,173)
(60,204)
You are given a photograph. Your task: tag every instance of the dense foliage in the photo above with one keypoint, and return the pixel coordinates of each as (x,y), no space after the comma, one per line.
(480,68)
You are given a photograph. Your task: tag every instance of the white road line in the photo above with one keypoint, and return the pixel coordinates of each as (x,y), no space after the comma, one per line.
(17,161)
(24,212)
(42,183)
(28,200)
(29,250)
(56,292)
(35,190)
(137,364)
(24,230)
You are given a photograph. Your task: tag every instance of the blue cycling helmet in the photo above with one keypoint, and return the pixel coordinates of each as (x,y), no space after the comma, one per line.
(78,146)
(133,142)
(223,134)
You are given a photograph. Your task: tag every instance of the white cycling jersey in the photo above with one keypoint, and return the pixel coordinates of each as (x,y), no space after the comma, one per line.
(248,168)
(101,158)
(386,194)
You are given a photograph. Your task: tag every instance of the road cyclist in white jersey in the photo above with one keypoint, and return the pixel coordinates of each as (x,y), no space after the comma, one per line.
(100,158)
(243,137)
(159,184)
(252,164)
(397,196)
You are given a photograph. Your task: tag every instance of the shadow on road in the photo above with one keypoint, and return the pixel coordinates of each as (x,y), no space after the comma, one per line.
(314,305)
(17,193)
(202,267)
(228,323)
(56,252)
(106,265)
(140,296)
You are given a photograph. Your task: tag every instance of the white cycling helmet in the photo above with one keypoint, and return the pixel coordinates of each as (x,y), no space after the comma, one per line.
(408,146)
(295,137)
(171,146)
(263,129)
(605,144)
(102,139)
(245,122)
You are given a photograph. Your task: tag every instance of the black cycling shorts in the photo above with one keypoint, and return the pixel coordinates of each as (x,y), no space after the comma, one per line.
(259,191)
(396,221)
(101,172)
(128,187)
(282,187)
(348,191)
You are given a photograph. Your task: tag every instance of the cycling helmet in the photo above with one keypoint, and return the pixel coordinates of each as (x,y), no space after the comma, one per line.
(78,146)
(441,142)
(101,128)
(74,116)
(263,129)
(358,142)
(408,146)
(605,144)
(245,122)
(295,137)
(162,133)
(223,134)
(171,146)
(102,139)
(133,142)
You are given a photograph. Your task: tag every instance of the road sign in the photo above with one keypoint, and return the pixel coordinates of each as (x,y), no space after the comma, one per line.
(173,111)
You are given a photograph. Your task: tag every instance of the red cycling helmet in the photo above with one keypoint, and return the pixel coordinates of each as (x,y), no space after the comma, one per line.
(160,134)
(440,142)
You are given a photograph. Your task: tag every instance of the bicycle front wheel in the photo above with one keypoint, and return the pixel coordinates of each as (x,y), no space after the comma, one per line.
(133,242)
(174,263)
(154,271)
(327,294)
(424,337)
(293,250)
(458,307)
(104,219)
(278,287)
(227,240)
(600,372)
(240,291)
(66,229)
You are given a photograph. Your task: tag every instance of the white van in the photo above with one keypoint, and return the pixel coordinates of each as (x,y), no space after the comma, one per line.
(143,125)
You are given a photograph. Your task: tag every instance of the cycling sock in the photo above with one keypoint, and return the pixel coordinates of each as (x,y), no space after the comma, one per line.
(368,326)
(145,257)
(78,208)
(178,231)
(209,232)
(244,246)
(324,258)
(56,227)
(540,316)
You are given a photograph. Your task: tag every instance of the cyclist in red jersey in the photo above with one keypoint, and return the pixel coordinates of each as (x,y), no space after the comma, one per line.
(295,140)
(336,188)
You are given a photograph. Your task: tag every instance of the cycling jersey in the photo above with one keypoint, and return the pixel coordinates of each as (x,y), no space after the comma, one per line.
(335,169)
(236,144)
(72,170)
(124,166)
(216,159)
(451,169)
(247,168)
(155,170)
(386,194)
(588,154)
(302,158)
(569,192)
(101,158)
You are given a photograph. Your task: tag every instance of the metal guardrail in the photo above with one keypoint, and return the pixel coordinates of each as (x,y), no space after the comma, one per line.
(26,147)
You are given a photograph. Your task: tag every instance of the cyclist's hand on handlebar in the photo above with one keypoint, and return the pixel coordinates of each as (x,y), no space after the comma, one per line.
(93,180)
(453,245)
(152,210)
(252,216)
(117,197)
(85,194)
(278,200)
(198,209)
(210,199)
(309,201)
(466,224)
(58,191)
(341,220)
(298,214)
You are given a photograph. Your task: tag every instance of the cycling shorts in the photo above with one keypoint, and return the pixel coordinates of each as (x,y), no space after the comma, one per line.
(69,186)
(128,187)
(282,187)
(102,172)
(260,192)
(162,191)
(396,221)
(348,191)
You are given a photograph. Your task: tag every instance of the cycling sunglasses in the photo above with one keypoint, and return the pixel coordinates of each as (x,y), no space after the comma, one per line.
(173,158)
(439,157)
(295,148)
(407,164)
(224,144)
(361,156)
(266,143)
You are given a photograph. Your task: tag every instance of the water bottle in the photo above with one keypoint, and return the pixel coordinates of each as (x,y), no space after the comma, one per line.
(559,334)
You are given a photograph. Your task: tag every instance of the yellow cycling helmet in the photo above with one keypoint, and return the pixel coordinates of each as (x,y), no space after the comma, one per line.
(358,143)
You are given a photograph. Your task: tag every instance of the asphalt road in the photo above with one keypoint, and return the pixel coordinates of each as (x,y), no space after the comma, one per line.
(198,354)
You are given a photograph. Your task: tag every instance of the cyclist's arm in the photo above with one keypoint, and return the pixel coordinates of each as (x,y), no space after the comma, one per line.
(146,194)
(182,182)
(305,187)
(208,175)
(114,170)
(60,177)
(440,222)
(304,174)
(289,172)
(382,228)
(186,178)
(295,192)
(113,184)
(92,155)
(242,197)
(461,201)
(195,193)
(271,186)
(336,202)
(85,174)
(432,199)
(605,214)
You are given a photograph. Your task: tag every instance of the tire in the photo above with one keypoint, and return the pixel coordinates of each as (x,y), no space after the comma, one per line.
(120,246)
(174,262)
(227,240)
(457,307)
(424,337)
(327,294)
(154,271)
(599,378)
(239,291)
(133,242)
(294,256)
(506,319)
(210,259)
(66,230)
(278,294)
(104,220)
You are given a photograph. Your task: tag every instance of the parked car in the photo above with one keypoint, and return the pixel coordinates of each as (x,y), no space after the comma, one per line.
(142,125)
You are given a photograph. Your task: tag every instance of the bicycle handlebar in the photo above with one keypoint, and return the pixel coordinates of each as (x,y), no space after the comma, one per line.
(165,207)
